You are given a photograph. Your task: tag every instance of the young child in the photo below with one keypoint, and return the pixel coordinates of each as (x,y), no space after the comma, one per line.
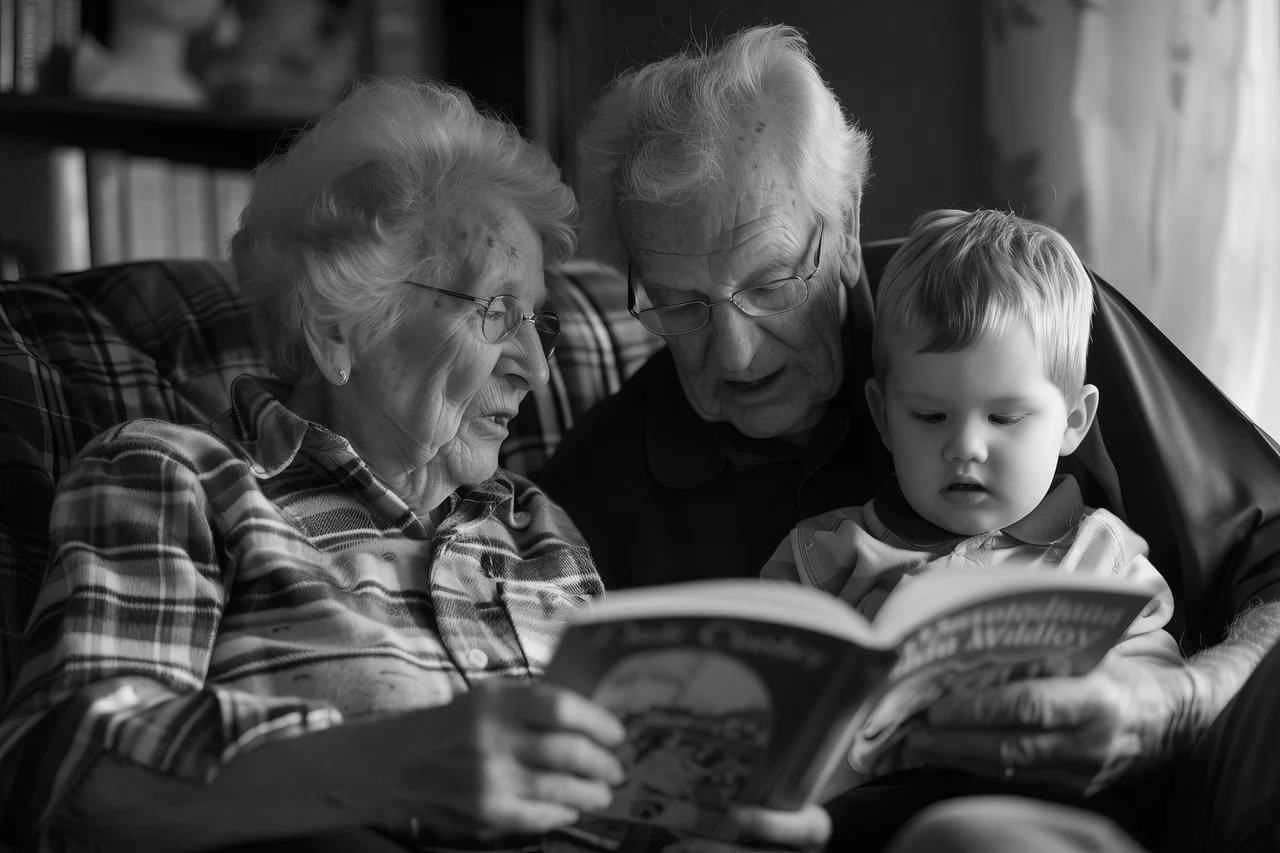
(981,336)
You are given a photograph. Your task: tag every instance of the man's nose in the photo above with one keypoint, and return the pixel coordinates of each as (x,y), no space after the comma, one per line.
(735,337)
(967,443)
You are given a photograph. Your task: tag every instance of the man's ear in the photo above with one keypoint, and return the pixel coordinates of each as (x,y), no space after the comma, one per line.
(331,350)
(877,404)
(1079,420)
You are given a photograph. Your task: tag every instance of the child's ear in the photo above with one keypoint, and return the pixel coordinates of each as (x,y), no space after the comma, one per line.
(1079,420)
(876,403)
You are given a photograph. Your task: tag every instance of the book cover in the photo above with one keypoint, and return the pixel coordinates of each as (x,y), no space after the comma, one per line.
(721,706)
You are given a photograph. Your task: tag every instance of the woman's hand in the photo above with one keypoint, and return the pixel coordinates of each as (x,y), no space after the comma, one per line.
(1082,734)
(806,830)
(506,758)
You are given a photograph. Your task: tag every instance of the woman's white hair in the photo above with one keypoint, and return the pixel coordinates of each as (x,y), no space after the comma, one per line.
(360,202)
(665,130)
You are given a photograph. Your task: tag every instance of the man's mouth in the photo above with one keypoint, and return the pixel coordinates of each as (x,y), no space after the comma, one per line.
(748,385)
(499,418)
(966,486)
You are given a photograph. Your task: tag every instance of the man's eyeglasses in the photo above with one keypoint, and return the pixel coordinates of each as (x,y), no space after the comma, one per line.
(763,300)
(503,315)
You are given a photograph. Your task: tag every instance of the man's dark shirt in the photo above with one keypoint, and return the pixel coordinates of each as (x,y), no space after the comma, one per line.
(663,496)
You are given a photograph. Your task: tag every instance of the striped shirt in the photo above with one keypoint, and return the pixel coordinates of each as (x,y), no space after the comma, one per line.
(212,588)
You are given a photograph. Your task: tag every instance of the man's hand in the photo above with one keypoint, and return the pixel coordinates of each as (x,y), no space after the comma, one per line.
(1081,734)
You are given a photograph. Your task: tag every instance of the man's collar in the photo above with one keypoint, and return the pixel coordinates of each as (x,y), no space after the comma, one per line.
(1055,515)
(686,451)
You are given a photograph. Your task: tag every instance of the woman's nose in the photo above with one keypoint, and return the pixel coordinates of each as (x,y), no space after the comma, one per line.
(734,339)
(523,361)
(967,443)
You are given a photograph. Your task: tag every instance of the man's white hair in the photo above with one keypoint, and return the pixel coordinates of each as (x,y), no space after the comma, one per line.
(664,131)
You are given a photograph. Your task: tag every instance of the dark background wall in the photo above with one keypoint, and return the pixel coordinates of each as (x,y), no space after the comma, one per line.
(909,73)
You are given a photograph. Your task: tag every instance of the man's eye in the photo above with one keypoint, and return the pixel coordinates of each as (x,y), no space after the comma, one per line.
(929,417)
(1006,420)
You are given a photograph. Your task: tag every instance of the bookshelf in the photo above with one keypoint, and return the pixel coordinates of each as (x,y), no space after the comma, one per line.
(224,140)
(77,175)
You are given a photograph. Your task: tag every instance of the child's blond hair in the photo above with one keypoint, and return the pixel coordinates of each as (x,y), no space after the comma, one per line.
(963,275)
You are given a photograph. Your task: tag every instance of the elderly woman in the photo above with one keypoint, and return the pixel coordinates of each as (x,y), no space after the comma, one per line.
(326,610)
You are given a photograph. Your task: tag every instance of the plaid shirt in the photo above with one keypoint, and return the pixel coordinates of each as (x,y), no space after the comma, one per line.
(212,588)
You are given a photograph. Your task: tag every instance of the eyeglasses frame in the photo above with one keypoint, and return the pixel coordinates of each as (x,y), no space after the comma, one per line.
(487,302)
(817,266)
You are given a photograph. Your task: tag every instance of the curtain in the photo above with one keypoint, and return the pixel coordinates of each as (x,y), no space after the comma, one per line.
(1148,132)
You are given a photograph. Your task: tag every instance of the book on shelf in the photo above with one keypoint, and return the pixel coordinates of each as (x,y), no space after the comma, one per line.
(231,191)
(8,43)
(107,176)
(148,208)
(759,692)
(42,37)
(193,234)
(44,218)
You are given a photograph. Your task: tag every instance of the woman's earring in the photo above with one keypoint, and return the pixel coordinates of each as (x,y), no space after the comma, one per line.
(342,377)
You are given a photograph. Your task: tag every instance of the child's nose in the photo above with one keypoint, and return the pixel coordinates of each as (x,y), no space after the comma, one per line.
(967,444)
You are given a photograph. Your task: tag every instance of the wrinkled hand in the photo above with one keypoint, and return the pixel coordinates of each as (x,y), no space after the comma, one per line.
(1081,734)
(506,758)
(758,829)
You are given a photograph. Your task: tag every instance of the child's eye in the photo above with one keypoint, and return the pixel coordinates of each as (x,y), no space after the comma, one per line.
(1005,420)
(929,417)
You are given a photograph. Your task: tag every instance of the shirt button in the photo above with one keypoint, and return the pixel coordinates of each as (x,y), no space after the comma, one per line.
(477,659)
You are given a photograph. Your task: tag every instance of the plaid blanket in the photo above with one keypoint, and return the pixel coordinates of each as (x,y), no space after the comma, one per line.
(83,352)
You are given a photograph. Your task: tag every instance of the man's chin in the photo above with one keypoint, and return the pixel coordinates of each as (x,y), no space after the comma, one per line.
(775,421)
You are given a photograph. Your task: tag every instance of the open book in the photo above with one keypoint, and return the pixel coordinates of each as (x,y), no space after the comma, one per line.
(754,692)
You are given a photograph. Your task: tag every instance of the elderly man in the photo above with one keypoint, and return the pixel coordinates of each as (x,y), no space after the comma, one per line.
(727,183)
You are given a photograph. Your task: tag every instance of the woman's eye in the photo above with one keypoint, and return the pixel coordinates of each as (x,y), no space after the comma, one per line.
(929,417)
(1005,420)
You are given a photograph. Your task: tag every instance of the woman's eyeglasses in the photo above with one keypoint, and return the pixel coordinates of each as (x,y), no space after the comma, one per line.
(764,300)
(503,315)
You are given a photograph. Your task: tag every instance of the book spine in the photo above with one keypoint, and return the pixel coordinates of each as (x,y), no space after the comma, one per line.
(148,220)
(106,206)
(35,41)
(55,76)
(8,43)
(231,191)
(44,223)
(192,210)
(826,734)
(70,202)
